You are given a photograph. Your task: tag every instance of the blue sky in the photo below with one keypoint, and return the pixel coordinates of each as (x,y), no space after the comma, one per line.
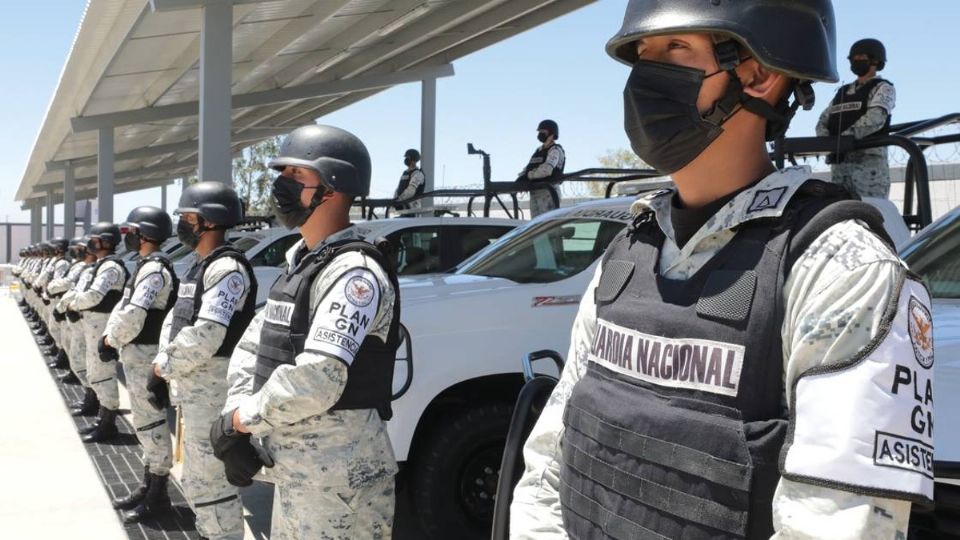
(558,70)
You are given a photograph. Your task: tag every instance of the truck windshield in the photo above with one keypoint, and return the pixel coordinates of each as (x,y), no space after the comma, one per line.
(547,252)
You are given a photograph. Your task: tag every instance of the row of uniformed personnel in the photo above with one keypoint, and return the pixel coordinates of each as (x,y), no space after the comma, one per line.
(315,395)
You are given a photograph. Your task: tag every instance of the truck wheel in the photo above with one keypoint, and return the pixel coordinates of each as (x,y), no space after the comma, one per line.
(456,471)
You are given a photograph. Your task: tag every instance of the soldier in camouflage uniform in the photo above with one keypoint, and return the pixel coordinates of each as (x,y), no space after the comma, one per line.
(56,270)
(39,320)
(77,347)
(312,377)
(215,303)
(134,328)
(739,328)
(545,166)
(57,289)
(861,109)
(95,302)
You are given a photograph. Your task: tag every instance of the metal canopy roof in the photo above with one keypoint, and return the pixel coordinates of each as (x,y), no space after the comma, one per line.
(136,67)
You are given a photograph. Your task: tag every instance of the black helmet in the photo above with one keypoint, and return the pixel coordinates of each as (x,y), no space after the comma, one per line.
(215,202)
(60,243)
(106,232)
(796,37)
(550,126)
(337,155)
(874,50)
(412,154)
(151,222)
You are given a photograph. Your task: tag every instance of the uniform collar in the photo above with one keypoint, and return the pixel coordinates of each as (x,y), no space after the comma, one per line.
(767,198)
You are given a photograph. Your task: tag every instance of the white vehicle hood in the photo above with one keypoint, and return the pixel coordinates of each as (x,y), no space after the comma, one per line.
(446,287)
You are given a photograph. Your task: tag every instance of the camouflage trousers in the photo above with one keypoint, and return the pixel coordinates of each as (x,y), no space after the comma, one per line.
(865,174)
(212,498)
(76,347)
(301,510)
(541,202)
(102,376)
(151,424)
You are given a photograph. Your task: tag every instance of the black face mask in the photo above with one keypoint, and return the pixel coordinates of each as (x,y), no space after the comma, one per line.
(286,198)
(542,137)
(408,162)
(860,67)
(131,241)
(93,246)
(187,235)
(665,128)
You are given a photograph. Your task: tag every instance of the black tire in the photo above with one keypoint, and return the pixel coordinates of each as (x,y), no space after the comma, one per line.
(455,473)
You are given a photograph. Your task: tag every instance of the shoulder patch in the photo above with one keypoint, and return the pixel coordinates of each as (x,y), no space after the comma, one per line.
(222,300)
(359,291)
(920,325)
(345,315)
(867,426)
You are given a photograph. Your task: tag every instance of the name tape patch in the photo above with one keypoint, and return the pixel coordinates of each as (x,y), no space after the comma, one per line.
(846,107)
(693,364)
(187,290)
(277,312)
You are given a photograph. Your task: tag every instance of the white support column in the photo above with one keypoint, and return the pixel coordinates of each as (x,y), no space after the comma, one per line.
(105,173)
(216,71)
(69,202)
(35,229)
(428,134)
(163,198)
(51,217)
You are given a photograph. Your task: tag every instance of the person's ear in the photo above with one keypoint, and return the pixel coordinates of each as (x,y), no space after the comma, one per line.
(762,83)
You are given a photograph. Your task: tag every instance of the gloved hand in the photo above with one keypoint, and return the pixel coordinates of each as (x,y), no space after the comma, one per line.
(106,352)
(240,459)
(73,316)
(158,392)
(59,316)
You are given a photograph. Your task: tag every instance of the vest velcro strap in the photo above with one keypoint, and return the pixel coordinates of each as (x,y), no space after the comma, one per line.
(663,453)
(613,525)
(665,499)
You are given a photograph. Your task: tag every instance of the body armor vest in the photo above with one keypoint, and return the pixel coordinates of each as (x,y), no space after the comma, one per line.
(150,333)
(846,109)
(190,299)
(287,322)
(112,297)
(540,157)
(676,428)
(405,181)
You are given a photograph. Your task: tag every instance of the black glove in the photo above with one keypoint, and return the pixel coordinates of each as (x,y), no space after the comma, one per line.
(106,352)
(159,394)
(59,316)
(240,459)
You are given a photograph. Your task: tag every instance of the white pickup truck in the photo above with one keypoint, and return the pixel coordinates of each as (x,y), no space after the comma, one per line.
(467,333)
(421,245)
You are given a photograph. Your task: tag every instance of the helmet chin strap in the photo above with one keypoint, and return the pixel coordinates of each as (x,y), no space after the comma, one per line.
(778,116)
